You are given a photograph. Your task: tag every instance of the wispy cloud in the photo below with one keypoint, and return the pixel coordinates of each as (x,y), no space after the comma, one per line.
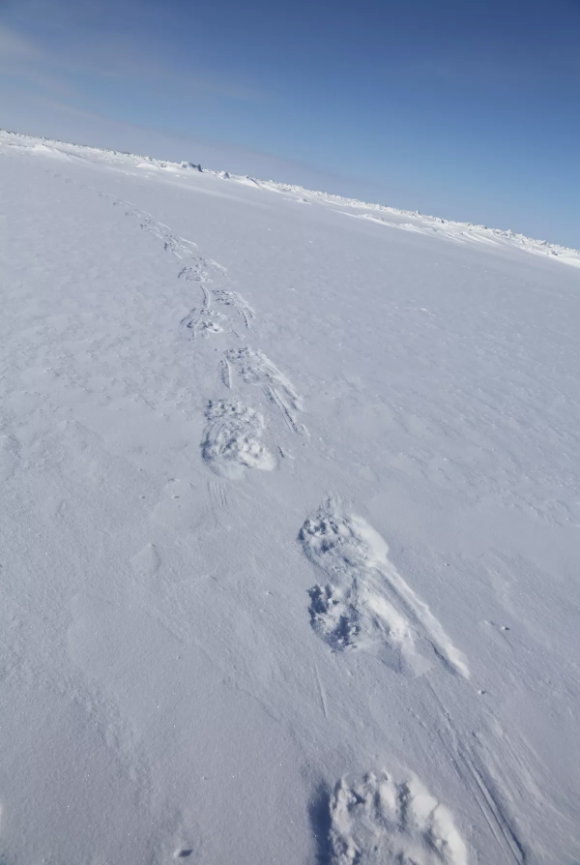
(15,47)
(22,60)
(51,45)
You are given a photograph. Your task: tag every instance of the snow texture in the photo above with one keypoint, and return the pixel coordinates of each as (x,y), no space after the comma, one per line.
(200,661)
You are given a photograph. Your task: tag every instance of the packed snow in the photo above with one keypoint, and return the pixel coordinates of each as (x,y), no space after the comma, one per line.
(290,525)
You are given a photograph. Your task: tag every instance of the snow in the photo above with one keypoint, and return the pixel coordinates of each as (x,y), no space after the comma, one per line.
(405,220)
(290,525)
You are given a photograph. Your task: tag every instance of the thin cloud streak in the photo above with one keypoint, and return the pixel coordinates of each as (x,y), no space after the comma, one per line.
(63,47)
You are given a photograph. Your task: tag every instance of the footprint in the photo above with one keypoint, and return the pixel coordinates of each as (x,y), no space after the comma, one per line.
(203,322)
(379,821)
(357,617)
(367,604)
(180,247)
(255,368)
(352,610)
(235,300)
(334,617)
(196,272)
(231,440)
(177,246)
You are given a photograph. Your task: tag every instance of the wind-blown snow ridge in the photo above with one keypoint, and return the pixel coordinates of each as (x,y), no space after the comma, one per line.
(414,221)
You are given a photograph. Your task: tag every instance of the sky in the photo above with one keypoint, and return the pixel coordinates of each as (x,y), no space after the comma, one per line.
(466,110)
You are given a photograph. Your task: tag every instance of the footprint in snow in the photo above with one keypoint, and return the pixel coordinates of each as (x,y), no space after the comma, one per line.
(231,440)
(196,272)
(366,603)
(236,301)
(254,367)
(377,820)
(203,322)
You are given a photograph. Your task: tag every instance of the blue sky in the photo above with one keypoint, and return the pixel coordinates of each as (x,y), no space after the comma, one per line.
(462,109)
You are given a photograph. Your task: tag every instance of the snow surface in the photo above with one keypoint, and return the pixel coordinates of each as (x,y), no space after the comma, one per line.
(405,220)
(290,525)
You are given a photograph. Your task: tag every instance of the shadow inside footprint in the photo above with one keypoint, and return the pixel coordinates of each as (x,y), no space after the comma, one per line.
(319,813)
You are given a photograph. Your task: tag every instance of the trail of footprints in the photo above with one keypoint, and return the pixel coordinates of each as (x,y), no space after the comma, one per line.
(255,368)
(363,602)
(231,439)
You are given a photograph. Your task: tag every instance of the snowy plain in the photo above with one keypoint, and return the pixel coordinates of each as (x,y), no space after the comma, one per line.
(290,525)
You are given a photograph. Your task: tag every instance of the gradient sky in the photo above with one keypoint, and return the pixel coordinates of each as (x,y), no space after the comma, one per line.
(469,110)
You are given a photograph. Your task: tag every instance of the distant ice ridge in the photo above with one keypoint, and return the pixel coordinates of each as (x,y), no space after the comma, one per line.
(447,229)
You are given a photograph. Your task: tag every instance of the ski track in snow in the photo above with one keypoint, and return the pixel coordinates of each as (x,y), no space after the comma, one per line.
(476,777)
(231,440)
(367,604)
(255,368)
(379,820)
